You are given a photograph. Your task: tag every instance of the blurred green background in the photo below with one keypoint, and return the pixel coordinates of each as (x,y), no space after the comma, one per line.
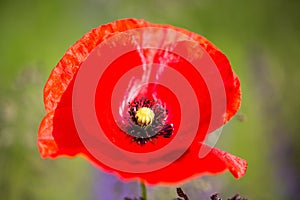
(260,38)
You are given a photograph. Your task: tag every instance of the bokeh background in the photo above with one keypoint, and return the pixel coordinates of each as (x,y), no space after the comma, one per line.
(261,39)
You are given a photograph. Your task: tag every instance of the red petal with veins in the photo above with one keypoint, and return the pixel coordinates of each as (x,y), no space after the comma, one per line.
(58,136)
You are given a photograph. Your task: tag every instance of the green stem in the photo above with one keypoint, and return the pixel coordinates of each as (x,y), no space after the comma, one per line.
(144,190)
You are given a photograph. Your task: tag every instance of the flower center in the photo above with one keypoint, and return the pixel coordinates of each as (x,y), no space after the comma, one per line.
(147,121)
(144,116)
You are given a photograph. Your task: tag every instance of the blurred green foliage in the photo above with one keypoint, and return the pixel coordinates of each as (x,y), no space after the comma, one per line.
(261,39)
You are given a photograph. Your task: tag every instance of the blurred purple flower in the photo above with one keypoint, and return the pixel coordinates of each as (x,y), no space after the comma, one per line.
(109,187)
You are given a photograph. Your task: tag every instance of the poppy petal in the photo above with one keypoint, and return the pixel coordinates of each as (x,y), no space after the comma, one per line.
(186,167)
(67,67)
(237,166)
(46,142)
(58,135)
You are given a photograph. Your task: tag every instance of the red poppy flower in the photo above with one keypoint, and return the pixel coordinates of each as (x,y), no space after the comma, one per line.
(139,99)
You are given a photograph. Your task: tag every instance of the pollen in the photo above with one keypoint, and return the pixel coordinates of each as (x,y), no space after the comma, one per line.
(144,116)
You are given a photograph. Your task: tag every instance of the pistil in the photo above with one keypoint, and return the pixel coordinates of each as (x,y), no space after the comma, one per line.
(144,116)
